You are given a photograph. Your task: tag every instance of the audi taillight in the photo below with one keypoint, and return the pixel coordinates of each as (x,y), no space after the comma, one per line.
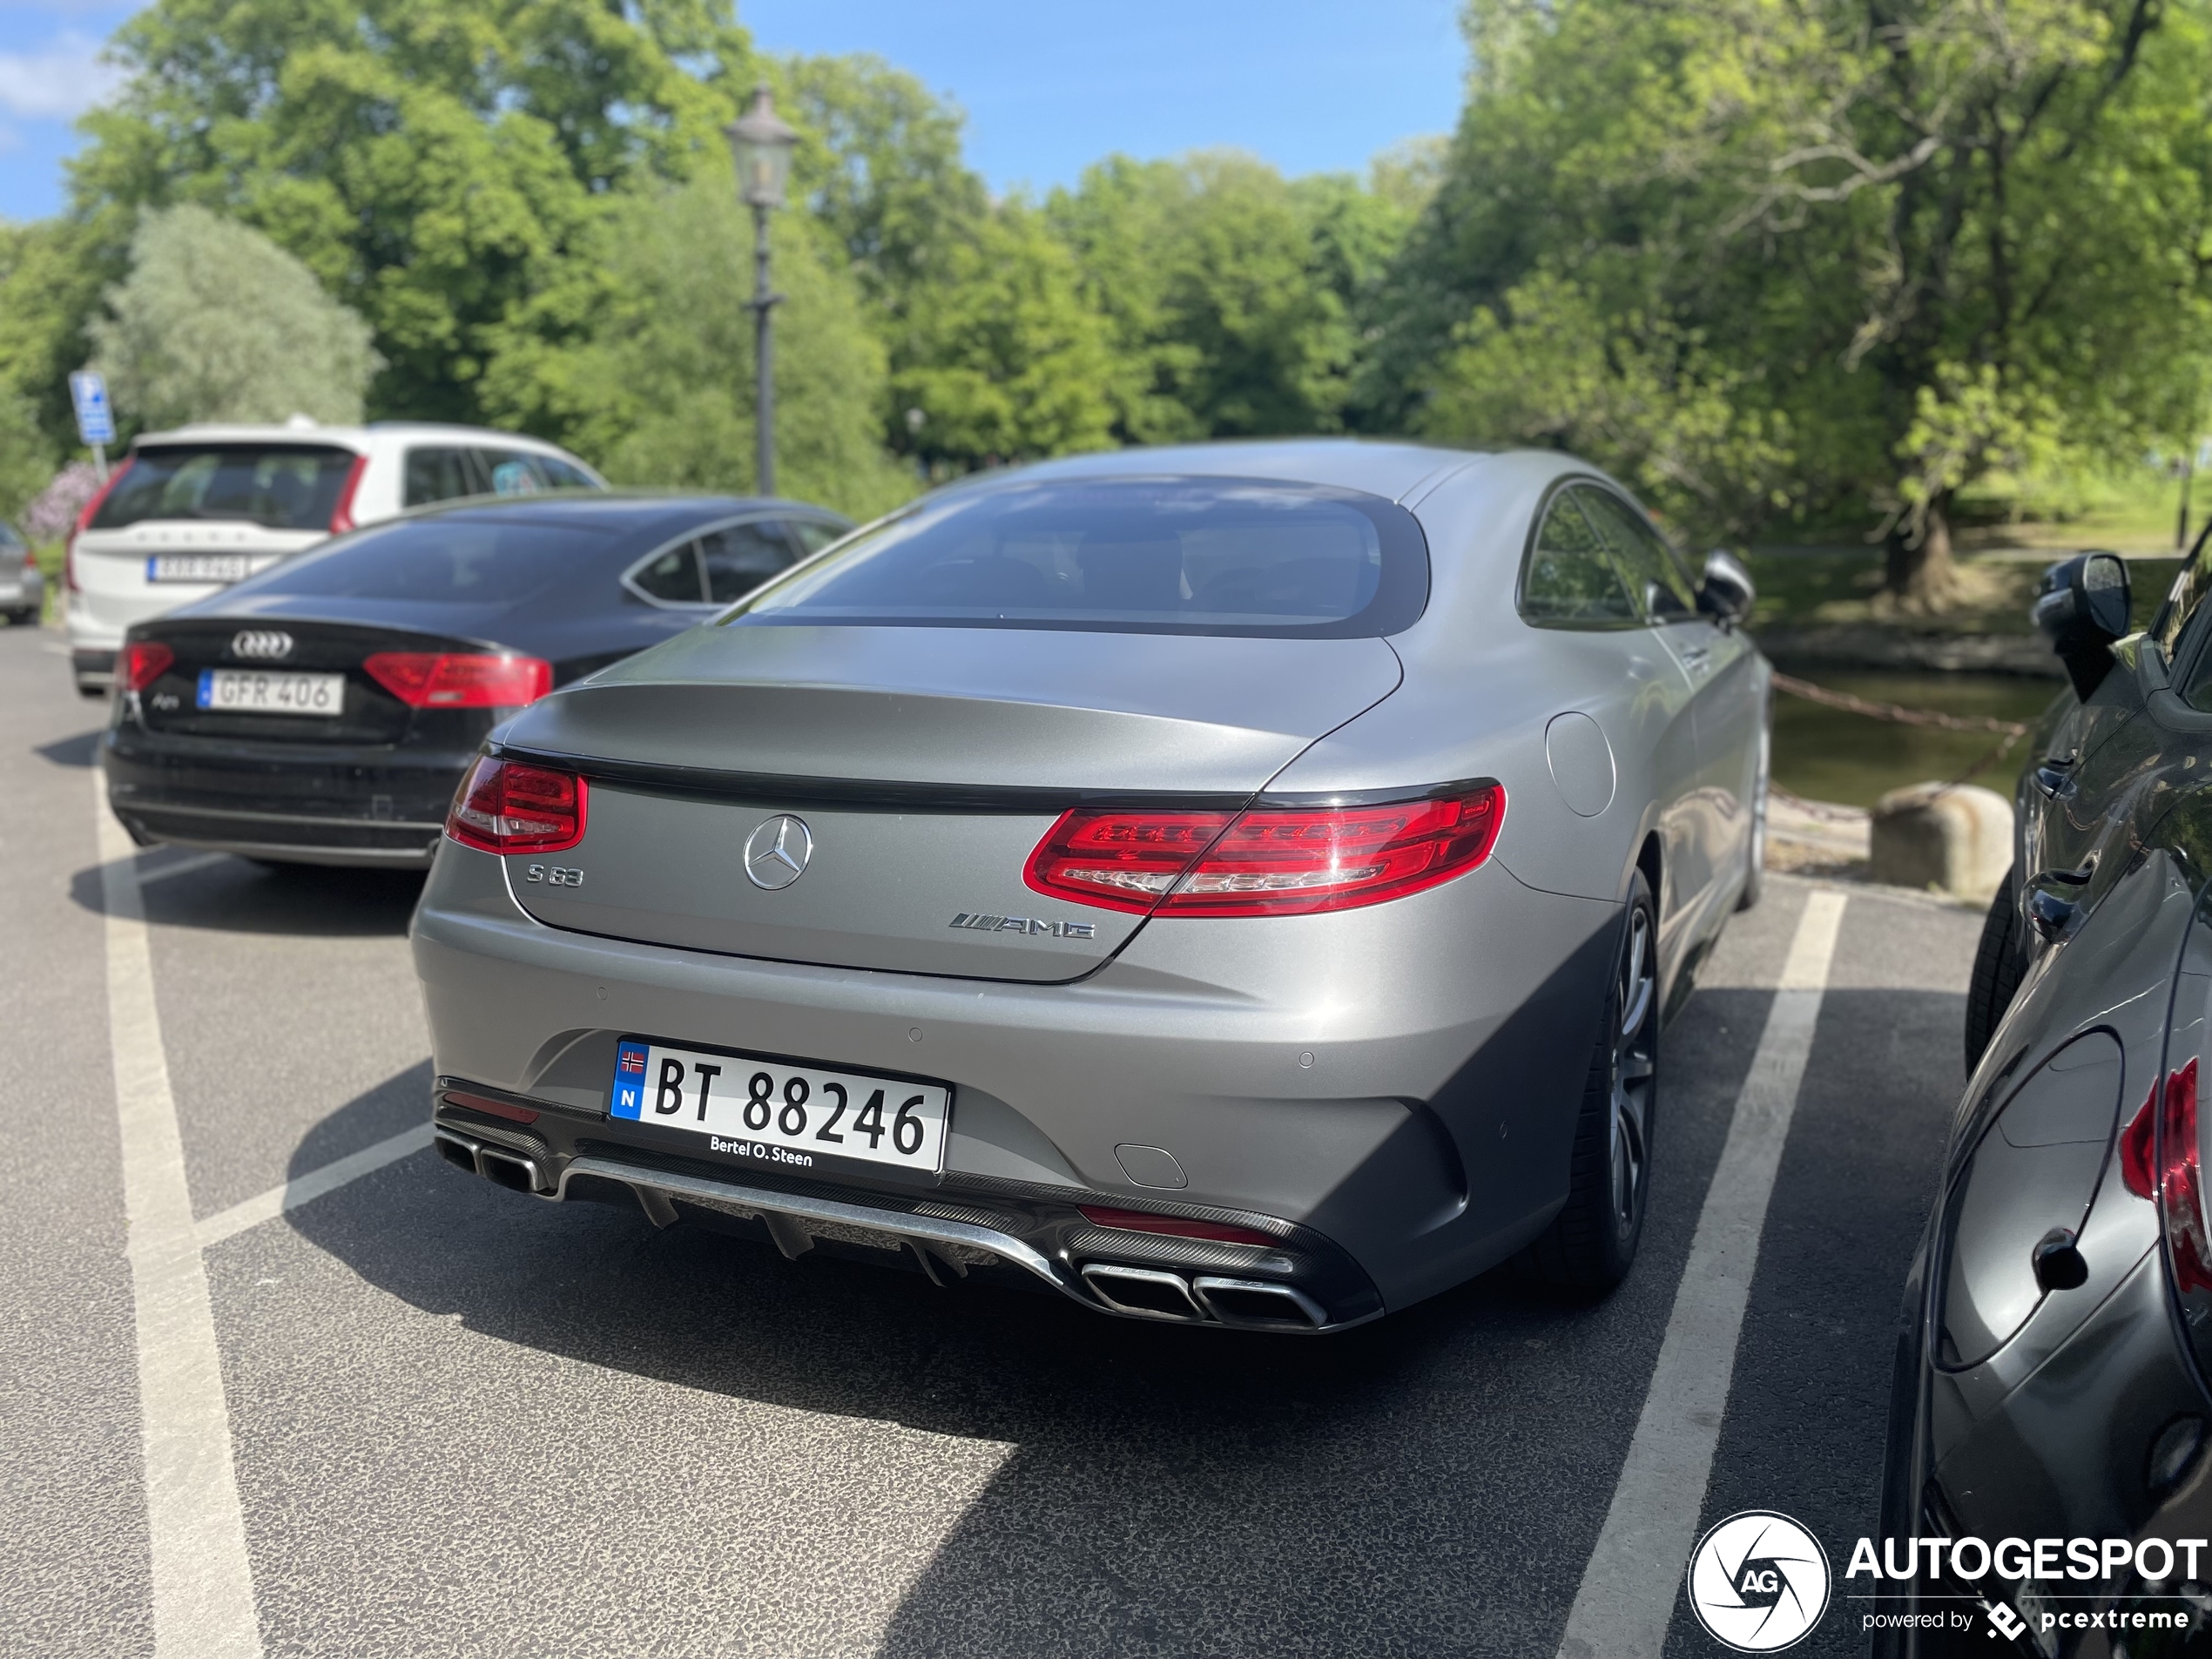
(436,679)
(144,661)
(341,514)
(2158,1160)
(510,806)
(1269,861)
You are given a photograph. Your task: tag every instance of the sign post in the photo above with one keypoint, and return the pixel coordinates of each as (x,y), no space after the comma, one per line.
(95,420)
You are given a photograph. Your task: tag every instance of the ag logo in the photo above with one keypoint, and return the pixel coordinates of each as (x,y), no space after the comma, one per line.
(1758,1581)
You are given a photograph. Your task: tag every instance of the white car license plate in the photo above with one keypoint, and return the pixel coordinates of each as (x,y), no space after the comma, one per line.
(256,690)
(772,1112)
(198,567)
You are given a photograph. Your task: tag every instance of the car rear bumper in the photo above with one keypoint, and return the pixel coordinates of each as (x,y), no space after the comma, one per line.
(316,806)
(1408,1102)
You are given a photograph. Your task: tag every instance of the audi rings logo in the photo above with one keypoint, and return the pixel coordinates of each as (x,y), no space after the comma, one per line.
(1758,1581)
(775,853)
(264,643)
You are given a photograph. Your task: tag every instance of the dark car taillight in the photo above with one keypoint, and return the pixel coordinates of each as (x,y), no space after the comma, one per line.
(433,679)
(508,806)
(1269,861)
(144,661)
(2158,1159)
(341,513)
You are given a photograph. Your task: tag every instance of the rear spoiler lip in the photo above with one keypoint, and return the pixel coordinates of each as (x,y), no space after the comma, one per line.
(784,790)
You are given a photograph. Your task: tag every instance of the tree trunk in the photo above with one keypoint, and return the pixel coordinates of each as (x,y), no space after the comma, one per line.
(1921,574)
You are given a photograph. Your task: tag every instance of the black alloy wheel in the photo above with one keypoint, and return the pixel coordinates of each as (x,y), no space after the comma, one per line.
(1592,1242)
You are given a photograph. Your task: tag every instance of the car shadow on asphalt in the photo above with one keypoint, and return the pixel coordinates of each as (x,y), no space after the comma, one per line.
(79,751)
(237,895)
(1431,1483)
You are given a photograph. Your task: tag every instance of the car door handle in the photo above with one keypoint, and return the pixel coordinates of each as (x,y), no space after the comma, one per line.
(2053,776)
(1695,656)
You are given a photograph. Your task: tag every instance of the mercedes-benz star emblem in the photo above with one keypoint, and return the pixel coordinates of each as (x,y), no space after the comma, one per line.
(776,853)
(261,642)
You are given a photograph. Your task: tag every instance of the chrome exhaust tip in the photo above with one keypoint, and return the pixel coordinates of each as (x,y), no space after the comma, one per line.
(1143,1291)
(514,1170)
(1259,1305)
(456,1150)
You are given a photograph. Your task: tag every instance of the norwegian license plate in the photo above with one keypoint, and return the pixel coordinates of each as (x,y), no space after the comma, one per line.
(257,690)
(198,567)
(774,1112)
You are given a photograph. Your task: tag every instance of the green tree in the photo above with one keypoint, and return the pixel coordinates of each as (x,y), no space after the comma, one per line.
(51,276)
(1238,301)
(436,163)
(661,392)
(216,322)
(996,357)
(27,459)
(1822,257)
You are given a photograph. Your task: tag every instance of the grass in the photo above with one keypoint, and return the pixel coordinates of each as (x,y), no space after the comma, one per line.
(1838,587)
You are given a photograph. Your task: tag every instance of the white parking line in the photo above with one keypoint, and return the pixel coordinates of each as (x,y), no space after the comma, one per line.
(182,866)
(1628,1590)
(203,1587)
(305,1189)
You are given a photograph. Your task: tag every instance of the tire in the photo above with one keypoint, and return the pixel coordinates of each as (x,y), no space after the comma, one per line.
(1592,1242)
(1755,855)
(1999,964)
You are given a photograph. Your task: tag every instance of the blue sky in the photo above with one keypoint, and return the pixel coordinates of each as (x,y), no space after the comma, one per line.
(1049,85)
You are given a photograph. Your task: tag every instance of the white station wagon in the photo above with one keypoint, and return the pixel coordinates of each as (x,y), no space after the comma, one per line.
(190,511)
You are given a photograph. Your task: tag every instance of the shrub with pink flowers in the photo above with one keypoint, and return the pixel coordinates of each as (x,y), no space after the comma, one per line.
(53,511)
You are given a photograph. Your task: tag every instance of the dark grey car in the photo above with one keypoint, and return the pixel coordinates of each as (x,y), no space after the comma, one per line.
(1237,884)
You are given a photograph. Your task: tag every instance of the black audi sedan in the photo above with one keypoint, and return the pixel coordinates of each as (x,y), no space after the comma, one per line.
(2047,1485)
(322,712)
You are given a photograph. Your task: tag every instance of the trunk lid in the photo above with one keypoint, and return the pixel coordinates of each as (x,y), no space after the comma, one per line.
(921,764)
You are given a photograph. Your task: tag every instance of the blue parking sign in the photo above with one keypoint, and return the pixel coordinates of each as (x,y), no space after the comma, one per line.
(95,420)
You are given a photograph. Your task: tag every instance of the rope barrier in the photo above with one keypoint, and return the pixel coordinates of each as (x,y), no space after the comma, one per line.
(2011,731)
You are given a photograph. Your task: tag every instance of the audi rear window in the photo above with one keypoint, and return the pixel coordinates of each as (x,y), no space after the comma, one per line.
(1163,556)
(454,560)
(277,486)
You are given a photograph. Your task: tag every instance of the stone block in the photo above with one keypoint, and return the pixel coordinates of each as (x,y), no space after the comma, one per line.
(1956,838)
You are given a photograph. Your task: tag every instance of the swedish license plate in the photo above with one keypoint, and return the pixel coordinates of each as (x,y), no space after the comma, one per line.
(255,691)
(772,1112)
(198,567)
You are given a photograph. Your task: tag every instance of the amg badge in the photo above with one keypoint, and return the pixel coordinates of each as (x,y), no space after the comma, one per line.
(1027,925)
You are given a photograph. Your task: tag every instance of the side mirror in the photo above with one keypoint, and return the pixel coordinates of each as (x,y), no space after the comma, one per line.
(1726,593)
(2083,603)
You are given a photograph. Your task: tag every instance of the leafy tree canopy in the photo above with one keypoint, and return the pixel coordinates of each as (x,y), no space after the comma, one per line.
(178,344)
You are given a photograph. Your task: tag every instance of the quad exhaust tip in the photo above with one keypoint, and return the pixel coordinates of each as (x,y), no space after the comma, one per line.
(1254,1305)
(518,1171)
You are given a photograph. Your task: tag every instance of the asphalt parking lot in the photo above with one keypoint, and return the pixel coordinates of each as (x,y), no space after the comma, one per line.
(463,1422)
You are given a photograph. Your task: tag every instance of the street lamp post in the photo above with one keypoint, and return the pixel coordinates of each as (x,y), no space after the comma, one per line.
(760,143)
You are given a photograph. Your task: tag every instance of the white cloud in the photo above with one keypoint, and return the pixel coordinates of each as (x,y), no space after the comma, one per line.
(63,80)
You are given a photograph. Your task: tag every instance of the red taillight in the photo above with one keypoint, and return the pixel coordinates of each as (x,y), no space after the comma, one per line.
(1270,861)
(507,806)
(1143,1221)
(494,1108)
(2158,1158)
(85,522)
(433,680)
(341,515)
(144,661)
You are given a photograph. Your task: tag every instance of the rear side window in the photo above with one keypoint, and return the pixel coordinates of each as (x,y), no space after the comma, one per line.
(439,475)
(672,576)
(281,487)
(815,535)
(519,472)
(459,558)
(1649,563)
(1163,555)
(739,558)
(1572,579)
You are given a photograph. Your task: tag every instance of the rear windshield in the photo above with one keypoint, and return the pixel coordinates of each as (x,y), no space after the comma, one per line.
(1159,555)
(281,486)
(455,559)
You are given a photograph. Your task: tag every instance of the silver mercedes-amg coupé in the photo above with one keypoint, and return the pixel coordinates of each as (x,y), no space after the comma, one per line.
(1242,885)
